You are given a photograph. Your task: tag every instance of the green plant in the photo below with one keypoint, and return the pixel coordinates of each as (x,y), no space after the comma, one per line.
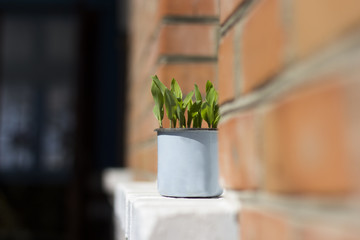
(177,108)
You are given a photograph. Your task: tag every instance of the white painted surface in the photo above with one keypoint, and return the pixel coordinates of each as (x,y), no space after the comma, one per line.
(142,214)
(112,176)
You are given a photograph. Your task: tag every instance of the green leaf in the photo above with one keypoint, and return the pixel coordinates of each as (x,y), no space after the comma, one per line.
(185,110)
(170,105)
(211,97)
(195,108)
(216,116)
(189,116)
(216,96)
(210,115)
(160,85)
(205,107)
(216,110)
(175,88)
(159,116)
(195,111)
(180,116)
(157,95)
(189,104)
(189,120)
(209,85)
(159,102)
(217,119)
(188,99)
(197,121)
(197,94)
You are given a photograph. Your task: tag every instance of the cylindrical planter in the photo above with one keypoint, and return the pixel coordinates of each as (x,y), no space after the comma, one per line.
(188,162)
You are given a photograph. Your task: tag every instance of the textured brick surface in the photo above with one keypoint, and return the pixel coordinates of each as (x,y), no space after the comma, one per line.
(188,39)
(329,232)
(143,157)
(151,39)
(263,43)
(305,142)
(260,224)
(188,73)
(317,23)
(142,129)
(226,67)
(140,93)
(228,7)
(189,8)
(237,152)
(140,34)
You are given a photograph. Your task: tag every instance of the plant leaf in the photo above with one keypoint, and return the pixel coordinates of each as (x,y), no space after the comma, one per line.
(211,97)
(188,98)
(205,107)
(158,114)
(170,105)
(157,95)
(197,93)
(189,115)
(216,121)
(195,108)
(209,85)
(160,85)
(197,121)
(180,116)
(175,88)
(210,115)
(216,110)
(159,102)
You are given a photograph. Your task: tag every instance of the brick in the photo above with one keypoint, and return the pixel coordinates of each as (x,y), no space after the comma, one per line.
(260,224)
(142,129)
(140,98)
(306,147)
(237,152)
(200,8)
(187,74)
(188,40)
(149,157)
(142,68)
(263,43)
(141,29)
(353,98)
(335,232)
(228,7)
(318,23)
(133,160)
(143,158)
(226,63)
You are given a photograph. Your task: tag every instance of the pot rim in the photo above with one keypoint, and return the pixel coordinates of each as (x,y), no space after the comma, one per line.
(185,129)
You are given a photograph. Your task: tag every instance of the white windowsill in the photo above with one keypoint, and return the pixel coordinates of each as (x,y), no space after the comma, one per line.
(140,213)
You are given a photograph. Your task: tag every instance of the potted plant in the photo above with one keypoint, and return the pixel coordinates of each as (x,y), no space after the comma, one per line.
(187,153)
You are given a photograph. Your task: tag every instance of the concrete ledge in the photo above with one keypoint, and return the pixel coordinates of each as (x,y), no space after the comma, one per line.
(142,214)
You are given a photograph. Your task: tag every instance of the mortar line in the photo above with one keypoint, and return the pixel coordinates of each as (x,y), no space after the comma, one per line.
(300,73)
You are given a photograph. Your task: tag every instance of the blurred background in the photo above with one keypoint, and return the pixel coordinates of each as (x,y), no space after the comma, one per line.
(75,100)
(62,79)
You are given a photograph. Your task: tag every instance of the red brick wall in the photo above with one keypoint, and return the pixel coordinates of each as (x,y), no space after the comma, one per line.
(173,39)
(289,80)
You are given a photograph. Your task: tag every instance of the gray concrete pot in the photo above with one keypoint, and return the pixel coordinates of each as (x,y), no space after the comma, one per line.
(188,162)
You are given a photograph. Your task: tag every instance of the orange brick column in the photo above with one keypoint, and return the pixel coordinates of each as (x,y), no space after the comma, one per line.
(289,82)
(173,39)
